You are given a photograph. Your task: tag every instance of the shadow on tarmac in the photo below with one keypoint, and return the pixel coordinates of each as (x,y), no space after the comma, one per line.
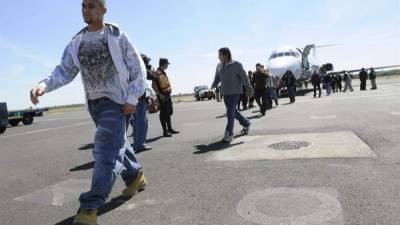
(216,146)
(151,140)
(220,117)
(86,166)
(86,147)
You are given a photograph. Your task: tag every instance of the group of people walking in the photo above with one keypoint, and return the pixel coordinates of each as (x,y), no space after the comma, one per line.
(114,75)
(265,90)
(333,83)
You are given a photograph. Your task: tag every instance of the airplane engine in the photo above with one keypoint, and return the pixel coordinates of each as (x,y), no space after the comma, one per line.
(328,67)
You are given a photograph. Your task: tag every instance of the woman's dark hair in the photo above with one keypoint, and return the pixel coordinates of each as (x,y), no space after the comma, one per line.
(226,52)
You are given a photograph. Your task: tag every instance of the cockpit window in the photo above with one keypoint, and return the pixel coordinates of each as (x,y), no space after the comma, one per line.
(276,55)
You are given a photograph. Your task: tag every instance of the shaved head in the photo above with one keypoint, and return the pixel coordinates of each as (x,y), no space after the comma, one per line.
(93,11)
(102,2)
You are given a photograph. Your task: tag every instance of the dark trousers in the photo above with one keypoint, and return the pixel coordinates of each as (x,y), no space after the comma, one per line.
(261,99)
(292,93)
(251,102)
(269,99)
(363,85)
(243,100)
(317,87)
(166,111)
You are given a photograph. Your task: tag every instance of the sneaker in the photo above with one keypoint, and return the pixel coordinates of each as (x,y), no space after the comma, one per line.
(228,138)
(137,186)
(246,129)
(85,217)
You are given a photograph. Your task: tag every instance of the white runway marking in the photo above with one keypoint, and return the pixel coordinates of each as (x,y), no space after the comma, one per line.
(148,202)
(292,206)
(58,194)
(395,113)
(345,98)
(281,147)
(58,198)
(328,117)
(62,119)
(46,130)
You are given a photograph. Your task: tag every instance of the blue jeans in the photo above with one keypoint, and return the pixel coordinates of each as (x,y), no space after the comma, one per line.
(274,96)
(232,113)
(328,88)
(112,153)
(140,125)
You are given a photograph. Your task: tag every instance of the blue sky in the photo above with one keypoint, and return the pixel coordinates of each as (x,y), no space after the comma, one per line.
(189,33)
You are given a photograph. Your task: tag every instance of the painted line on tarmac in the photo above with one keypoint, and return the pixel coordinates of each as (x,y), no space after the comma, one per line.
(46,130)
(347,97)
(196,109)
(328,117)
(61,119)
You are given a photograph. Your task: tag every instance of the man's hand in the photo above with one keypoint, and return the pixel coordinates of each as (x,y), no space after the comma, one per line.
(129,109)
(36,92)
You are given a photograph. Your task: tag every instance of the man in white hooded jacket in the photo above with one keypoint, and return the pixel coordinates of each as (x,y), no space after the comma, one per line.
(113,76)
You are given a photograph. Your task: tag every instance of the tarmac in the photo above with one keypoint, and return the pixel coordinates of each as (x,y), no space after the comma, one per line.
(333,160)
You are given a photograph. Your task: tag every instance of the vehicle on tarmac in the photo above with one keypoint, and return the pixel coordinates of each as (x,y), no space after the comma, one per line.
(203,92)
(3,117)
(14,118)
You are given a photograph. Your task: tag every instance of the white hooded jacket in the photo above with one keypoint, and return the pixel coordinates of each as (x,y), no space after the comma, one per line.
(126,58)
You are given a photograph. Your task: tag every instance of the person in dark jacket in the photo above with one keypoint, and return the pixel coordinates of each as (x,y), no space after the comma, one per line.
(316,82)
(339,81)
(260,88)
(327,84)
(333,83)
(162,87)
(289,81)
(372,77)
(243,100)
(363,79)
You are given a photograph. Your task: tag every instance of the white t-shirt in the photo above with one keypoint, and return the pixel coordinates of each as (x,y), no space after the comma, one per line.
(99,74)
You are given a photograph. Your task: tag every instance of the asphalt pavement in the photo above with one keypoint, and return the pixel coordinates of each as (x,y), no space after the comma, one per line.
(332,160)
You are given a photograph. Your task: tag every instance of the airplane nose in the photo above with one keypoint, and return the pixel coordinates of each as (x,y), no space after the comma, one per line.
(279,66)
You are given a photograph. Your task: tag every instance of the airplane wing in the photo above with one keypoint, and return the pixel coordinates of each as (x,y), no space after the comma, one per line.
(358,70)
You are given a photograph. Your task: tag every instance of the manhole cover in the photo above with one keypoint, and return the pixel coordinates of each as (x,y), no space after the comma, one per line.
(290,145)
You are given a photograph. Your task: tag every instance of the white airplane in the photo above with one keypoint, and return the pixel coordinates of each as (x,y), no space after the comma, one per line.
(296,60)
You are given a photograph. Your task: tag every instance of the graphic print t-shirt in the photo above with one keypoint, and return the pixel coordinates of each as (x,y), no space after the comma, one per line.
(99,74)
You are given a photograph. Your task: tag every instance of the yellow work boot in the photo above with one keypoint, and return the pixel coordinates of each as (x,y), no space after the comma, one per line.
(137,186)
(85,217)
